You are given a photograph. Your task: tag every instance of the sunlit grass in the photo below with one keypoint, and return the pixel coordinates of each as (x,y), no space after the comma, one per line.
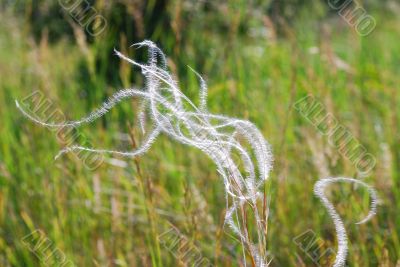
(113,215)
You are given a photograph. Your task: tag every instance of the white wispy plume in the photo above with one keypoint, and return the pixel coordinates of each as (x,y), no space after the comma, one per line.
(220,137)
(339,225)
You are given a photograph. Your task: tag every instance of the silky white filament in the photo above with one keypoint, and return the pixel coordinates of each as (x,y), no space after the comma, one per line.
(340,229)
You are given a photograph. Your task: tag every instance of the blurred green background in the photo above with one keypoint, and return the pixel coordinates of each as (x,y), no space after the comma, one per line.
(259,58)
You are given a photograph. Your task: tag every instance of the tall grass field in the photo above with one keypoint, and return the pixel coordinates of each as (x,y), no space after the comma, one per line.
(325,96)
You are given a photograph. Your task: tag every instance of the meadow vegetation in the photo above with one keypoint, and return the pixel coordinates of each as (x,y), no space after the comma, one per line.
(258,60)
